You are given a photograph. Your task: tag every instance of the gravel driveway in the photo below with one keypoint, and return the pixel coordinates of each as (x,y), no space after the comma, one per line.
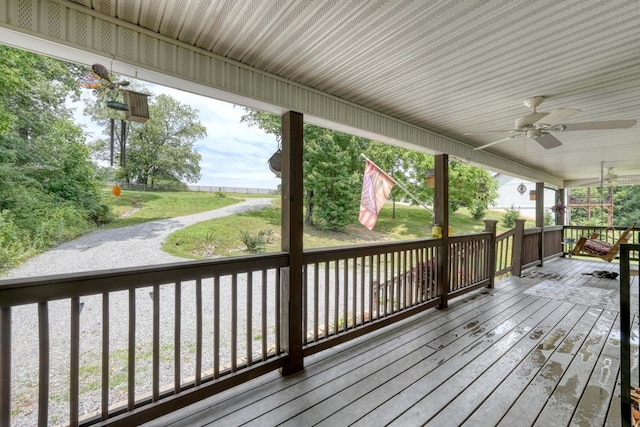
(135,245)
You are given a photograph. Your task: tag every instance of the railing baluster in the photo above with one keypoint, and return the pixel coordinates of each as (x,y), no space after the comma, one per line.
(362,294)
(177,337)
(345,303)
(155,375)
(278,310)
(216,327)
(316,302)
(375,271)
(305,304)
(234,322)
(131,358)
(198,376)
(5,366)
(264,314)
(74,365)
(249,318)
(43,364)
(336,293)
(354,298)
(326,299)
(105,356)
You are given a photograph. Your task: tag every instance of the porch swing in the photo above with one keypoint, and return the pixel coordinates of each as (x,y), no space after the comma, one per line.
(594,245)
(601,248)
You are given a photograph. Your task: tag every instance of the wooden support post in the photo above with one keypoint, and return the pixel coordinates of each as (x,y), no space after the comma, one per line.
(540,219)
(516,251)
(441,218)
(490,227)
(292,231)
(560,218)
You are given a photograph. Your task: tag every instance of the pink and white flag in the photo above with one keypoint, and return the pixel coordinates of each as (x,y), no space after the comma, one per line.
(376,187)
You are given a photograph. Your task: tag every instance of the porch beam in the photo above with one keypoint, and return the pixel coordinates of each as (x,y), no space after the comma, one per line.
(292,231)
(441,218)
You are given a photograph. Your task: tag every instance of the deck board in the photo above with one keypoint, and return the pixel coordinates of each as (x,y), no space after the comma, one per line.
(521,354)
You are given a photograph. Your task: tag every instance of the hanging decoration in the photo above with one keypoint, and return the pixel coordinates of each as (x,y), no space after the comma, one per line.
(275,161)
(134,104)
(532,195)
(116,190)
(522,188)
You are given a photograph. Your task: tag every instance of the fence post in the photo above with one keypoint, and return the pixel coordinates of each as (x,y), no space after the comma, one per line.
(516,251)
(490,227)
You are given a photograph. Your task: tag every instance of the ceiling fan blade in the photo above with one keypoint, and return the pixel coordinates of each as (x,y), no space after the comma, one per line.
(557,116)
(608,124)
(548,141)
(494,142)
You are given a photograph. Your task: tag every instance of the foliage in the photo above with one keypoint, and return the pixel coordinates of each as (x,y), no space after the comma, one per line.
(478,211)
(49,190)
(333,174)
(256,242)
(548,218)
(160,149)
(510,216)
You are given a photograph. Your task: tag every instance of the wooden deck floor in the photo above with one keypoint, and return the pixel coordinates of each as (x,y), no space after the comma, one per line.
(537,350)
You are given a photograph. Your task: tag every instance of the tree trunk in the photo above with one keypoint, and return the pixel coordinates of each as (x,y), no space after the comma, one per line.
(308,217)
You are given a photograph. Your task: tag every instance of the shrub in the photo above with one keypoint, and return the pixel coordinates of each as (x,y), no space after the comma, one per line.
(510,216)
(478,212)
(258,241)
(219,195)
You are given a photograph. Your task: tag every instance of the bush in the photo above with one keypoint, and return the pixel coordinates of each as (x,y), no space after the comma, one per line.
(510,216)
(548,218)
(478,212)
(256,242)
(219,195)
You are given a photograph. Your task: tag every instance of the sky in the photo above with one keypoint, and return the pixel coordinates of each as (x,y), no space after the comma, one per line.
(233,153)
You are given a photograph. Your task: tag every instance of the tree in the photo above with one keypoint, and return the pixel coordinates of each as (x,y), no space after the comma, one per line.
(333,173)
(49,191)
(160,149)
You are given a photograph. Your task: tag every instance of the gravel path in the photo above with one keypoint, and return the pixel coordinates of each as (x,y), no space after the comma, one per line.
(135,245)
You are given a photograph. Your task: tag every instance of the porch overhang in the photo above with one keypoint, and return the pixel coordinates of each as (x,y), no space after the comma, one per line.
(85,33)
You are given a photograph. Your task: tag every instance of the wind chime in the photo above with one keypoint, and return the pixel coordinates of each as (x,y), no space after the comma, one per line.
(135,107)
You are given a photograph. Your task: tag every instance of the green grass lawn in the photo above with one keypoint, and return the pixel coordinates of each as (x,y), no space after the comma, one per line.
(135,207)
(222,236)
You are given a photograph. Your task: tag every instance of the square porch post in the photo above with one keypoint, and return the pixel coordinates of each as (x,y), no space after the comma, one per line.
(540,219)
(292,233)
(441,217)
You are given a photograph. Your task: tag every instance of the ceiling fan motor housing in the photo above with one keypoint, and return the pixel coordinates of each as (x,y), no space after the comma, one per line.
(528,120)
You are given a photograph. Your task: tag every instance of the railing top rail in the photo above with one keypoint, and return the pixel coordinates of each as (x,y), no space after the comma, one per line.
(345,252)
(46,288)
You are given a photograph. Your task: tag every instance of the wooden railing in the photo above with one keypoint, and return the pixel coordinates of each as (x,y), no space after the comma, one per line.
(222,317)
(349,291)
(144,341)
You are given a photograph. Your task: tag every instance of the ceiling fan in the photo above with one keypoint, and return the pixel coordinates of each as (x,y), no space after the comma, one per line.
(539,125)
